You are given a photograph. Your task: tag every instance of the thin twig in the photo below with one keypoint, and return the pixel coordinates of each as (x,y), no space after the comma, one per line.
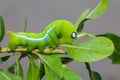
(85,34)
(7,50)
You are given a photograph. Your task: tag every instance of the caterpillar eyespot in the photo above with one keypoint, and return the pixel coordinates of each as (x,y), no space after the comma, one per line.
(74,35)
(56,33)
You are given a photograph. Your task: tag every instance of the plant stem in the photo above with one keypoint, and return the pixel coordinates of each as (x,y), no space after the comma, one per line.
(85,34)
(25,24)
(7,50)
(89,70)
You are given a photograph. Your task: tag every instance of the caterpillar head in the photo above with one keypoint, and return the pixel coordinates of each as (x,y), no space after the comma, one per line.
(68,33)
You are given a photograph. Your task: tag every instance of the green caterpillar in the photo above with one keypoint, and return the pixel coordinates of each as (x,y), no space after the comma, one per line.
(58,32)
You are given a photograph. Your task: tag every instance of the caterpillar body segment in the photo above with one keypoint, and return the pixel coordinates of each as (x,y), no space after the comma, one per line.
(58,32)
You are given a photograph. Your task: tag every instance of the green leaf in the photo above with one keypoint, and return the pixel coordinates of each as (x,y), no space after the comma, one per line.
(42,71)
(4,75)
(33,71)
(99,10)
(66,60)
(53,62)
(0,48)
(2,29)
(115,57)
(71,75)
(96,49)
(0,60)
(11,68)
(4,58)
(95,76)
(95,14)
(50,74)
(19,68)
(80,22)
